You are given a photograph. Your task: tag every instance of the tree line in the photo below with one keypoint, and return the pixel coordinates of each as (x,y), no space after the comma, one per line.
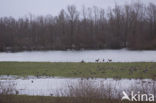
(131,26)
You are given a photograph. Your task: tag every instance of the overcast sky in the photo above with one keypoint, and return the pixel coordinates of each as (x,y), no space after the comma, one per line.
(20,8)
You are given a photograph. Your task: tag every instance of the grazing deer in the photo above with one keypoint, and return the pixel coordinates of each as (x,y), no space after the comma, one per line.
(109,60)
(97,60)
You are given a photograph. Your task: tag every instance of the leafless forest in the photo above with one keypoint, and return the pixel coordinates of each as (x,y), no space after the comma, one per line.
(129,26)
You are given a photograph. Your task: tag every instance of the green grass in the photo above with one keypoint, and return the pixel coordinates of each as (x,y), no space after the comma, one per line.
(103,70)
(48,99)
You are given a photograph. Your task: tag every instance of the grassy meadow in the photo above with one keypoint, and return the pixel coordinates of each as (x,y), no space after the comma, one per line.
(101,70)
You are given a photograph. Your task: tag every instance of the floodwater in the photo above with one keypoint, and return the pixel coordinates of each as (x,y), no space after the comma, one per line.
(122,55)
(47,86)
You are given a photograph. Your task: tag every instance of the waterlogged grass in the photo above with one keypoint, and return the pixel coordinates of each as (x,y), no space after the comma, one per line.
(102,70)
(48,99)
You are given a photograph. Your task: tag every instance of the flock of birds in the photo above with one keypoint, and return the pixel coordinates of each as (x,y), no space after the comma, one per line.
(103,60)
(98,60)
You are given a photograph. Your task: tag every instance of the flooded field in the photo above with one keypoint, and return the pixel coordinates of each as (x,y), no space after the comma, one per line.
(122,55)
(57,86)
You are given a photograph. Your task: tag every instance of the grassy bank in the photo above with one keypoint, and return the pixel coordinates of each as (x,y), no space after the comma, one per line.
(103,70)
(42,99)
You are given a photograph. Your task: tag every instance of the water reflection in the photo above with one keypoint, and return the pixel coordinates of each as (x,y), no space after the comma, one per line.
(48,86)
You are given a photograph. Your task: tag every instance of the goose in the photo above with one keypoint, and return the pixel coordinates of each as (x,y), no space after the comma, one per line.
(109,60)
(103,60)
(97,60)
(82,61)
